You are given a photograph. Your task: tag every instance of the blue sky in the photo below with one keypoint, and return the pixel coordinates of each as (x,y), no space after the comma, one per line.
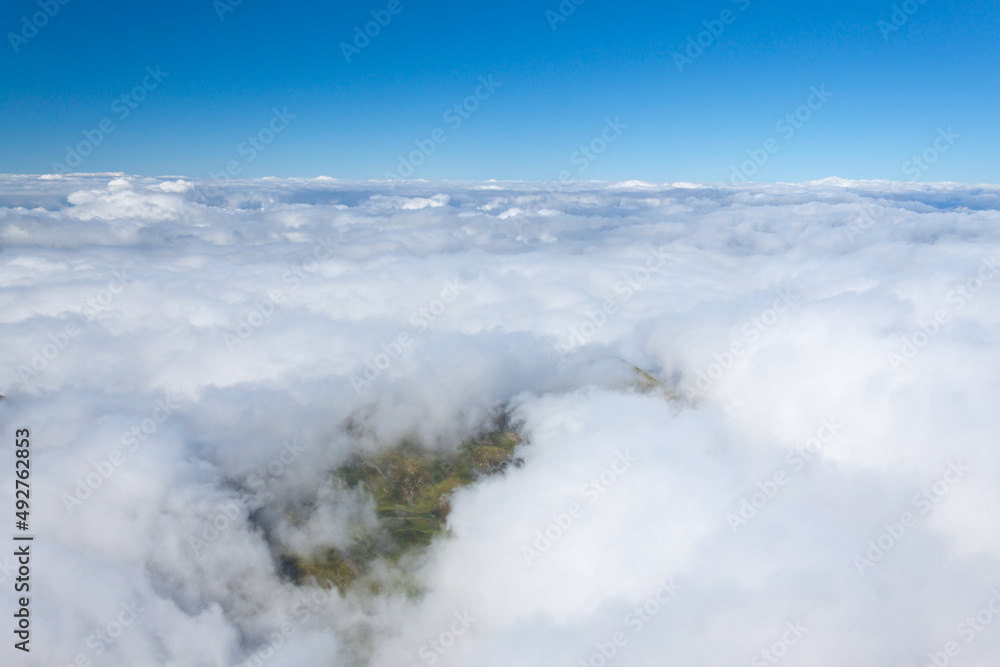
(558,85)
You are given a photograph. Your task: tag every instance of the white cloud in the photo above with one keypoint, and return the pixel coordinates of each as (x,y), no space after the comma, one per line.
(159,400)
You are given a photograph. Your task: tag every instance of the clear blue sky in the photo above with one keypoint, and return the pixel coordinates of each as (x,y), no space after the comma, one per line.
(892,91)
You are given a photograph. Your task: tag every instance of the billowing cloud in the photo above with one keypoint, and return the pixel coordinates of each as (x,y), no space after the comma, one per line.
(816,481)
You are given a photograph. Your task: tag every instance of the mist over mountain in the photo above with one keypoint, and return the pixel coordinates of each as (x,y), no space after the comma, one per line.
(755,424)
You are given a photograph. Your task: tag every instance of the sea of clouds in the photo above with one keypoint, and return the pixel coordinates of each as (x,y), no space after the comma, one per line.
(816,484)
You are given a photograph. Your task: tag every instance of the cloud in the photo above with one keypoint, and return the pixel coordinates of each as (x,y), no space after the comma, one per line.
(818,482)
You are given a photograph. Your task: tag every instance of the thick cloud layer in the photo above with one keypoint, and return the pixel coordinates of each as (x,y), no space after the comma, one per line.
(817,483)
